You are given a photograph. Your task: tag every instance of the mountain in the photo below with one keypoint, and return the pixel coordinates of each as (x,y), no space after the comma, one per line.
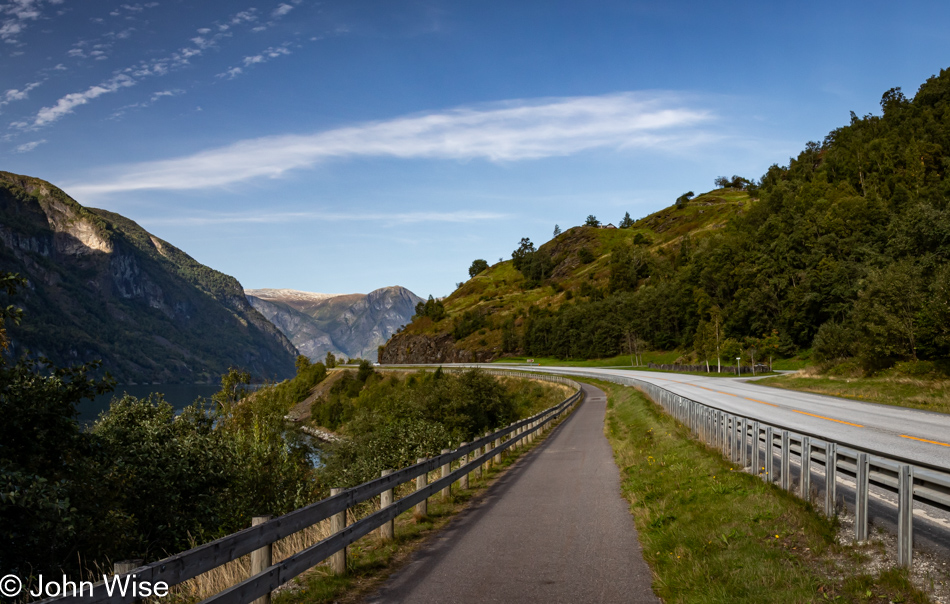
(842,255)
(352,324)
(101,287)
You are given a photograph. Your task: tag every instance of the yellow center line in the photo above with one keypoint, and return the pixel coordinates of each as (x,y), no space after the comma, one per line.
(755,400)
(828,418)
(933,442)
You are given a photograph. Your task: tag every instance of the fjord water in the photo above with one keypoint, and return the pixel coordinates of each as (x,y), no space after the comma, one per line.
(178,396)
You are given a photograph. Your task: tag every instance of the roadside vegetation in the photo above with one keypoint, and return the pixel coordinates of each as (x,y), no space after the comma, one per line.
(712,533)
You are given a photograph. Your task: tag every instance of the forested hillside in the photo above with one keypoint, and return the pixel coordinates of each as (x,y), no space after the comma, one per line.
(844,250)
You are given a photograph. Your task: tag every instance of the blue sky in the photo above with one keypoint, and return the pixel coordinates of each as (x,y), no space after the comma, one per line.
(344,146)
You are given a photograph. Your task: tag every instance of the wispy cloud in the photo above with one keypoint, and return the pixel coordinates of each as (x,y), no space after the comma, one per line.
(16,14)
(18,94)
(262,57)
(66,104)
(289,217)
(501,132)
(27,147)
(129,76)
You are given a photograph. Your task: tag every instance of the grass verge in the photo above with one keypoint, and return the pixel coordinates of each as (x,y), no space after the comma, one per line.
(930,394)
(712,533)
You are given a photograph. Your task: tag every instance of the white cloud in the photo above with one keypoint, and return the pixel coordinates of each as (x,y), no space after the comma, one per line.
(66,104)
(501,132)
(282,10)
(27,147)
(15,94)
(17,13)
(287,217)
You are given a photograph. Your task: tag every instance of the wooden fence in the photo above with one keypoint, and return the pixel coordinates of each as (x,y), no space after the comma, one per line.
(259,538)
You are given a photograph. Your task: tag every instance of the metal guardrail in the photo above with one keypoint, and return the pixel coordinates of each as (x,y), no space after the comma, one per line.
(469,456)
(757,444)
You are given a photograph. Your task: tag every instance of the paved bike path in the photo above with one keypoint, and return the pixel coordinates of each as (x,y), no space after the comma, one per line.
(554,528)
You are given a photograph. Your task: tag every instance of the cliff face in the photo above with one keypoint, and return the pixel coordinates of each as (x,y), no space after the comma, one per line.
(352,324)
(101,287)
(405,348)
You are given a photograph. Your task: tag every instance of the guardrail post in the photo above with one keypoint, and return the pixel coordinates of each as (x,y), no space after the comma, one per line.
(756,458)
(743,450)
(337,524)
(831,478)
(861,499)
(422,508)
(769,455)
(446,493)
(463,481)
(387,530)
(905,516)
(805,482)
(786,466)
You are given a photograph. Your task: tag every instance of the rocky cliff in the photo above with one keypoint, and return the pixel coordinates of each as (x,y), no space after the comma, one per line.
(354,325)
(101,287)
(409,348)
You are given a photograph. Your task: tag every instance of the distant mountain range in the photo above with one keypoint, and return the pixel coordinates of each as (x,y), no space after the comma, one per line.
(354,325)
(101,287)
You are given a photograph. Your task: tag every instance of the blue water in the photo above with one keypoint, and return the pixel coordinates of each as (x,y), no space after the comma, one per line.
(178,396)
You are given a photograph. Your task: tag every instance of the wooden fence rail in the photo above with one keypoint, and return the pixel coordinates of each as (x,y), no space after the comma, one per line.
(194,562)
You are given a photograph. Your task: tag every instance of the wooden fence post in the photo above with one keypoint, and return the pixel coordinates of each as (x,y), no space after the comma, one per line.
(337,524)
(388,531)
(463,481)
(126,566)
(261,559)
(497,458)
(447,491)
(422,508)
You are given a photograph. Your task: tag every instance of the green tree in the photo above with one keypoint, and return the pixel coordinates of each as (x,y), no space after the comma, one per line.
(330,360)
(557,230)
(626,222)
(302,363)
(888,313)
(683,199)
(524,250)
(233,389)
(591,221)
(477,267)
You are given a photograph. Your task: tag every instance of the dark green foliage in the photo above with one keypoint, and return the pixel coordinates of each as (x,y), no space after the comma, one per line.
(585,256)
(468,323)
(683,199)
(627,222)
(535,265)
(391,422)
(477,267)
(434,309)
(557,230)
(591,221)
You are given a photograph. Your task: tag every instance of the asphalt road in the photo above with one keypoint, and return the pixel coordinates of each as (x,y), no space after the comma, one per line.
(554,528)
(919,436)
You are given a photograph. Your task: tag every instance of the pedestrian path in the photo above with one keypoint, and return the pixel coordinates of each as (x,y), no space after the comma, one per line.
(554,528)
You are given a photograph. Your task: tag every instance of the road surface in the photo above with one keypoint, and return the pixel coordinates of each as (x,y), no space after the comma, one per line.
(554,528)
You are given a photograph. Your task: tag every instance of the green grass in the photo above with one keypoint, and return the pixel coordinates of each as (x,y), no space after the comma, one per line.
(712,533)
(622,360)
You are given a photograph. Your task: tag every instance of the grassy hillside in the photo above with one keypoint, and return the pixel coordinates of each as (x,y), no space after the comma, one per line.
(499,299)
